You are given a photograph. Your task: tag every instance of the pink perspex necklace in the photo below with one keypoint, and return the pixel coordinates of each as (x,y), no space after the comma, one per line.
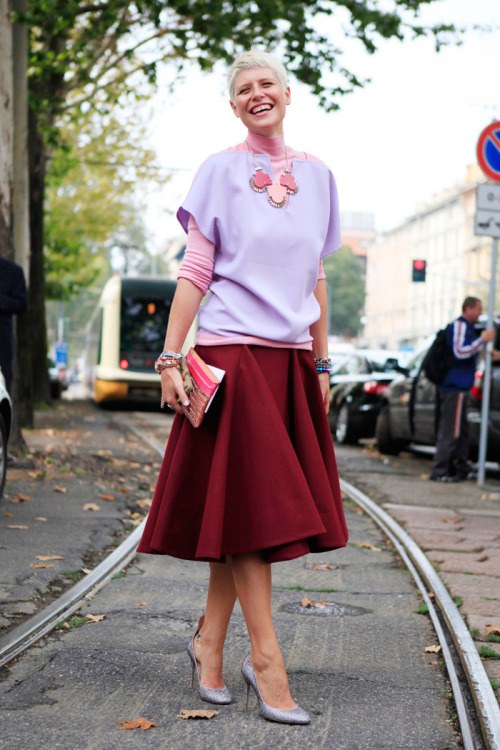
(276,191)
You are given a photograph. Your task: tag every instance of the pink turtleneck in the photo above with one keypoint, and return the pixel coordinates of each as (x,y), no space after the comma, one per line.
(198,262)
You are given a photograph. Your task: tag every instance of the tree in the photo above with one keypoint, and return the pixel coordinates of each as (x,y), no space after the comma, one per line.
(96,182)
(86,54)
(346,292)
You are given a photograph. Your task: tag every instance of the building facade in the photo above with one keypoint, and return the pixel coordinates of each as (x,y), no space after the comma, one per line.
(402,313)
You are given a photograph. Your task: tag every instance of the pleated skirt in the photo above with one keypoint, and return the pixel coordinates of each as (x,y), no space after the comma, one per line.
(259,474)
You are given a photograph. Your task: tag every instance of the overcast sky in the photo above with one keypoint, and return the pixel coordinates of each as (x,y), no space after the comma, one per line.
(409,134)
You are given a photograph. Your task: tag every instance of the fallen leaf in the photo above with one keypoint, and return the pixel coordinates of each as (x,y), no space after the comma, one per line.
(40,518)
(13,526)
(323,566)
(319,605)
(306,602)
(8,515)
(366,545)
(452,520)
(108,497)
(359,510)
(144,503)
(60,489)
(42,565)
(432,649)
(495,629)
(137,724)
(96,618)
(49,557)
(141,604)
(86,571)
(124,490)
(18,498)
(201,713)
(91,506)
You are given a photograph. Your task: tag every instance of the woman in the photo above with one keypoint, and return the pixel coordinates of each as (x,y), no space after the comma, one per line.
(257,482)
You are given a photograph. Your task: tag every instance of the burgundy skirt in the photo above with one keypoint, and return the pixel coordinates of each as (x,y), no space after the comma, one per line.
(259,474)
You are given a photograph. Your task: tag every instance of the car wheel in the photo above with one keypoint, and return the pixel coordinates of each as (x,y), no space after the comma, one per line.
(3,454)
(385,442)
(344,432)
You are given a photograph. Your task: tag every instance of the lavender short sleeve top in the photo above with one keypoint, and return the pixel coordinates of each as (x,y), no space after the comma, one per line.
(266,258)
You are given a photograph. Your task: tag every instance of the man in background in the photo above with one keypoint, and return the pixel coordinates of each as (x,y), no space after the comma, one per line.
(452,449)
(12,302)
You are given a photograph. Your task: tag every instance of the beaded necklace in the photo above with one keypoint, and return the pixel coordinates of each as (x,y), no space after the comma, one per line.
(276,191)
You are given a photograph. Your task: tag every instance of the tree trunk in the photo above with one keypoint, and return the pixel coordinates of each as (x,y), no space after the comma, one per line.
(36,332)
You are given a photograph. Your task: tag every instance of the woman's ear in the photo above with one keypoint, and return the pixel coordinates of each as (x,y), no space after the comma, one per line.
(234,108)
(288,95)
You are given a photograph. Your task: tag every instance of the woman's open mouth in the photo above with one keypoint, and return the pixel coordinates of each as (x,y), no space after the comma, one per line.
(261,109)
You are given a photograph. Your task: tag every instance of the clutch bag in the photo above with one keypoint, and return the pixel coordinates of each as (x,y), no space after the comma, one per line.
(205,381)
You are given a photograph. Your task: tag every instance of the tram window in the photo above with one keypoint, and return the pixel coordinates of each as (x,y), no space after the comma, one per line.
(143,324)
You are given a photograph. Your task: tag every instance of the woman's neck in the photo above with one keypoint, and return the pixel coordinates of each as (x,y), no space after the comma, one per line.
(261,144)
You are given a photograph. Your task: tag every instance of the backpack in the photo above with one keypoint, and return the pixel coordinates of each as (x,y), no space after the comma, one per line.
(439,359)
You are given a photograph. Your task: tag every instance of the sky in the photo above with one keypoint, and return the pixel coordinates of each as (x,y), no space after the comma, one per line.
(406,136)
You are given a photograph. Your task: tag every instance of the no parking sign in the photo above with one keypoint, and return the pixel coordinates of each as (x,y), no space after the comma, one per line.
(488,151)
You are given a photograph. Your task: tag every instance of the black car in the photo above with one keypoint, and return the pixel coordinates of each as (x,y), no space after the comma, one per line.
(408,413)
(358,383)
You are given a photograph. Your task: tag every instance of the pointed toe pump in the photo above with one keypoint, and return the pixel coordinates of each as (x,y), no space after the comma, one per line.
(210,695)
(295,715)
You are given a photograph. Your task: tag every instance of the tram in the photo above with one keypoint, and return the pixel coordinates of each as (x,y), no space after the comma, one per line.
(124,337)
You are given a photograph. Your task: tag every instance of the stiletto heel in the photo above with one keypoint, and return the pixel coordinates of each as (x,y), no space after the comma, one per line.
(210,695)
(295,715)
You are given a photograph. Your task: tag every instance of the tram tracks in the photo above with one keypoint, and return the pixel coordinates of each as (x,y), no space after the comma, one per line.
(448,624)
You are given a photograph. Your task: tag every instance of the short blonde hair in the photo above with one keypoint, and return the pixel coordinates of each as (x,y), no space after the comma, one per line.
(254,58)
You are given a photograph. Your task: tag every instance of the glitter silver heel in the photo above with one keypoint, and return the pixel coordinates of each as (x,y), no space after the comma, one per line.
(295,715)
(210,695)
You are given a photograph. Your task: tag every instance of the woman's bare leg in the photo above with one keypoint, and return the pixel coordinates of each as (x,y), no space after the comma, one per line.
(252,579)
(213,627)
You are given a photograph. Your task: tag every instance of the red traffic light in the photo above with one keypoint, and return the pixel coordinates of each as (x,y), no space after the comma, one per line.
(418,269)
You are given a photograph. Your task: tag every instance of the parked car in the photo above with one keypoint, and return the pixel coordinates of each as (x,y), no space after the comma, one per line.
(408,412)
(358,382)
(5,425)
(57,377)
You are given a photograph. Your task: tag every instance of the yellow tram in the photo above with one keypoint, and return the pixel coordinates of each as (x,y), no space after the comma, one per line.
(125,336)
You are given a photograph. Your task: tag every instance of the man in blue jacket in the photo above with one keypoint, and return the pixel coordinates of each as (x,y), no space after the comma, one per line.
(452,449)
(12,302)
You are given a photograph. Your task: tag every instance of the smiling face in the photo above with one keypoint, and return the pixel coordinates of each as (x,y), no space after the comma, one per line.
(260,101)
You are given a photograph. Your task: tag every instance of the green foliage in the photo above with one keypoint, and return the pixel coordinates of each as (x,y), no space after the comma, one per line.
(94,48)
(346,291)
(91,188)
(486,652)
(495,684)
(422,609)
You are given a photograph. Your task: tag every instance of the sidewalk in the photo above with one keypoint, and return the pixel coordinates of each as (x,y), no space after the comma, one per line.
(356,660)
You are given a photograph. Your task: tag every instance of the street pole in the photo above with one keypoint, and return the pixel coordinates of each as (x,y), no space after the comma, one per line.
(483,435)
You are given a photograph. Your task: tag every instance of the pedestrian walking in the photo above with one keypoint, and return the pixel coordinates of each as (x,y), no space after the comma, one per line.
(12,302)
(452,449)
(257,482)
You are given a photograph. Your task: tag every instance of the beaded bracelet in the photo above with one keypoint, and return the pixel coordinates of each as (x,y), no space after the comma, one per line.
(167,359)
(323,364)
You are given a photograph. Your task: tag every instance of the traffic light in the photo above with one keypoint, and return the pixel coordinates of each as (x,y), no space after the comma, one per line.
(418,270)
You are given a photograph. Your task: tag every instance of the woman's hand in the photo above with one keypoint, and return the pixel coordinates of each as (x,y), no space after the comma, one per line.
(324,384)
(171,387)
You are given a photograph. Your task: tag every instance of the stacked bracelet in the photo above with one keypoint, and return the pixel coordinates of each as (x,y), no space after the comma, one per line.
(167,359)
(323,364)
